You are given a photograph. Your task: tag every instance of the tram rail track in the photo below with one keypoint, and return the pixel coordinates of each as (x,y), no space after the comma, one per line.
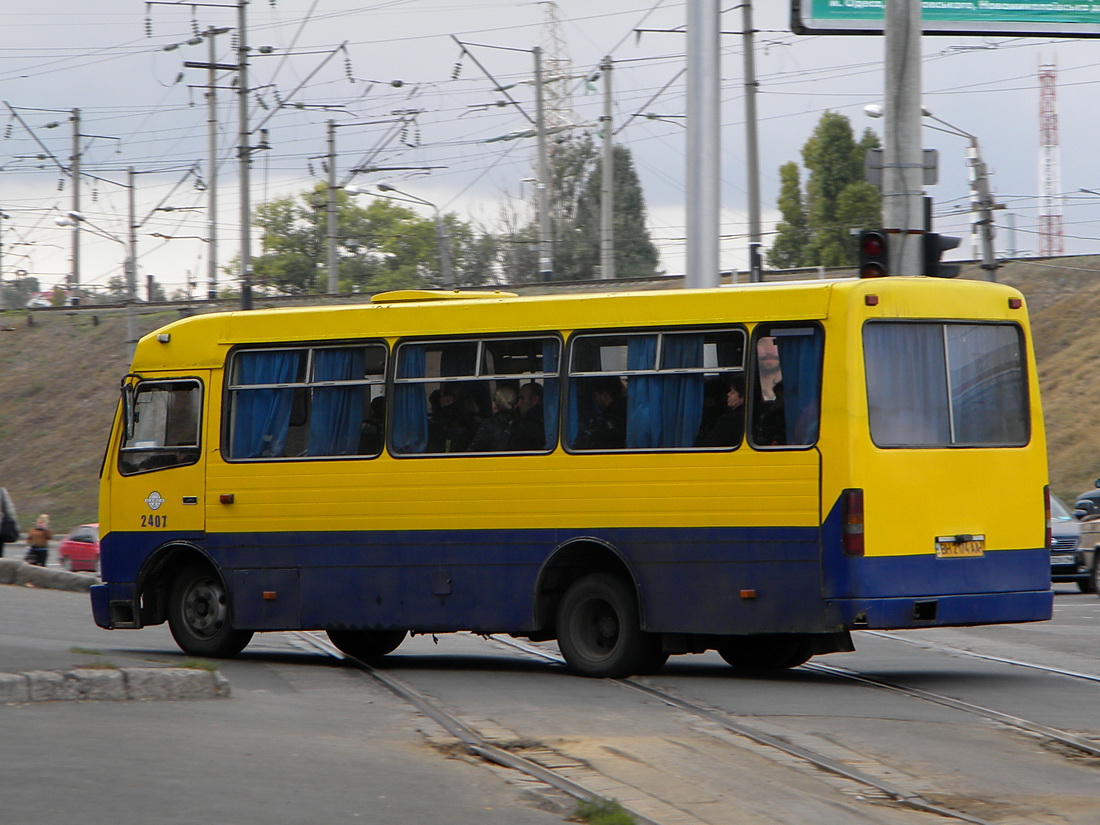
(479,746)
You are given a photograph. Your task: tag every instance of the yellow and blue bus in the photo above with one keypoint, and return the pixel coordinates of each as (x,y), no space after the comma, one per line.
(757,470)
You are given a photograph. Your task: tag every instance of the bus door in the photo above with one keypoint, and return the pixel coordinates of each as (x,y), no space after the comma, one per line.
(158,482)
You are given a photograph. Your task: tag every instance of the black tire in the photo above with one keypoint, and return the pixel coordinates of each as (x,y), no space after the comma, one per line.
(200,616)
(67,563)
(769,652)
(366,644)
(1096,571)
(599,631)
(1087,585)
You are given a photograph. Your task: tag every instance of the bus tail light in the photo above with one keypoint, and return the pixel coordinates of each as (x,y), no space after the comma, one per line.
(852,521)
(1046,513)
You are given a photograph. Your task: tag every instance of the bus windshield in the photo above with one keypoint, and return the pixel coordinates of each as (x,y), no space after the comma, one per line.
(945,384)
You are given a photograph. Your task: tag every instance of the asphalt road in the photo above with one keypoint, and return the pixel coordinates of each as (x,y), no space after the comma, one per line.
(312,743)
(305,739)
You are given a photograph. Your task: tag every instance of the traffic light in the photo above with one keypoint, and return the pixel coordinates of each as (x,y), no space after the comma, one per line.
(874,254)
(934,247)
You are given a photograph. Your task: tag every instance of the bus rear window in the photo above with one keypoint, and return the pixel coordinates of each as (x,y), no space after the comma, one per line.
(945,384)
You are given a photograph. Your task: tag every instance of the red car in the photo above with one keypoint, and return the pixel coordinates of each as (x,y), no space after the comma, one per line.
(80,549)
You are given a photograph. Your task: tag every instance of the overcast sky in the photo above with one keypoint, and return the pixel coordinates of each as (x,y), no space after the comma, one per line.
(359,63)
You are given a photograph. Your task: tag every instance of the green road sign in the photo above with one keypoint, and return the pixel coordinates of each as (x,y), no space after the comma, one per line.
(1045,18)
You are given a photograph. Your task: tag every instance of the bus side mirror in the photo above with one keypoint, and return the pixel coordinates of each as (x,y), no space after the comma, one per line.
(128,412)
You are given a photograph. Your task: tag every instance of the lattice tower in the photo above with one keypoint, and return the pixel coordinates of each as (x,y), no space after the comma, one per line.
(1050,166)
(557,69)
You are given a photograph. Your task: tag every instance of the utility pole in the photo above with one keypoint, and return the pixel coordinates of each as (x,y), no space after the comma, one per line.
(903,156)
(330,209)
(704,160)
(132,258)
(752,154)
(75,166)
(244,156)
(3,217)
(546,259)
(212,172)
(607,181)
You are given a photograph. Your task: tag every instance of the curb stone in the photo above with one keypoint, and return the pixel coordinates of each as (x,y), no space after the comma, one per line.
(128,683)
(14,571)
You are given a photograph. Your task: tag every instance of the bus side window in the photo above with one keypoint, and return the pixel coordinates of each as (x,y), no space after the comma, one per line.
(649,390)
(785,388)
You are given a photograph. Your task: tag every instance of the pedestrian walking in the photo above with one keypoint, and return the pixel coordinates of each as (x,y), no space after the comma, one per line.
(38,541)
(9,521)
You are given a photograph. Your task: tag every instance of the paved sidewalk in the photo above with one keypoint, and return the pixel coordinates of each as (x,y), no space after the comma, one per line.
(101,681)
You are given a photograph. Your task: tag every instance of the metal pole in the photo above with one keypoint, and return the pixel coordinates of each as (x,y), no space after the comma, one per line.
(131,259)
(443,237)
(982,206)
(752,154)
(75,275)
(703,144)
(903,161)
(546,255)
(2,217)
(330,208)
(212,172)
(607,181)
(244,156)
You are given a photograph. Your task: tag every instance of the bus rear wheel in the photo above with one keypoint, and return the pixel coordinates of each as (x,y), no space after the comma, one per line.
(199,615)
(768,652)
(599,631)
(366,644)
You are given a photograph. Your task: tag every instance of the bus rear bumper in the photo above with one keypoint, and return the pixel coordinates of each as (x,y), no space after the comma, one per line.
(945,610)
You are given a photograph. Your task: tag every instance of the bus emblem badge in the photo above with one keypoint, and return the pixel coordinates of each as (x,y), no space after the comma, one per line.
(154,500)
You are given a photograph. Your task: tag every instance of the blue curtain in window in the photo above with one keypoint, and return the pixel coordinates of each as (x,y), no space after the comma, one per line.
(336,419)
(643,407)
(550,393)
(261,416)
(410,408)
(800,356)
(681,395)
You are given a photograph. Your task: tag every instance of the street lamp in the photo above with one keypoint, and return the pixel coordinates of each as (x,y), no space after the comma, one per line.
(981,201)
(443,237)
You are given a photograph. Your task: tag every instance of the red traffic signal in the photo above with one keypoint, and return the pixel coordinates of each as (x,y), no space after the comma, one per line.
(874,253)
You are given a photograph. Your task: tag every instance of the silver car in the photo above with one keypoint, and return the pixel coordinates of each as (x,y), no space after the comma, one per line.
(1073,547)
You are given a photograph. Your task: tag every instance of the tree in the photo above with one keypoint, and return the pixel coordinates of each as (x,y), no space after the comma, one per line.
(380,246)
(792,235)
(817,230)
(635,254)
(575,184)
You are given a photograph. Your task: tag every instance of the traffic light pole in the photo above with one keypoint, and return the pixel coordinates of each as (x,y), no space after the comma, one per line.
(903,161)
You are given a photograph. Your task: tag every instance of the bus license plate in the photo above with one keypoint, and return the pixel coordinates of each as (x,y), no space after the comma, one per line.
(956,547)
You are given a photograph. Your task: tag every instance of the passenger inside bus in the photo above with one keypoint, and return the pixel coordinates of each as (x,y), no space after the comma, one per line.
(606,430)
(452,428)
(529,431)
(727,429)
(495,433)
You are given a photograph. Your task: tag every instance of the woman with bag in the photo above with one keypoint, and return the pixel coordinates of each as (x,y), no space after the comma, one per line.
(38,541)
(9,523)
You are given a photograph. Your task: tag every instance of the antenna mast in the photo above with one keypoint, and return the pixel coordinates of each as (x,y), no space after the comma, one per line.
(1050,167)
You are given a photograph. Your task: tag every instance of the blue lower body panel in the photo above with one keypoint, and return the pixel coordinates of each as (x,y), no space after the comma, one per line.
(693,581)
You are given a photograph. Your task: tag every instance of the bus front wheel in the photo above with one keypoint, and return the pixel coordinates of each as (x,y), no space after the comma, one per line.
(599,631)
(199,615)
(366,644)
(777,652)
